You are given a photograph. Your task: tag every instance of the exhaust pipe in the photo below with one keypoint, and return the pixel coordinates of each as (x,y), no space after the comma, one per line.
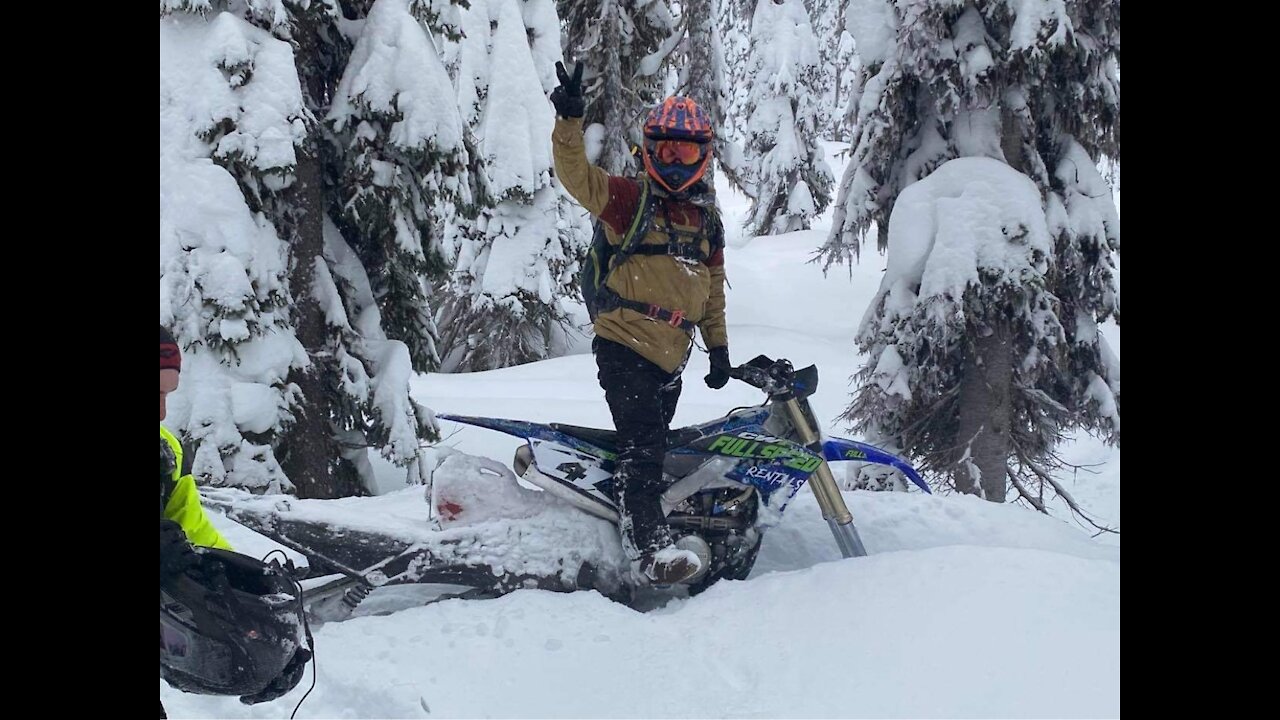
(523,459)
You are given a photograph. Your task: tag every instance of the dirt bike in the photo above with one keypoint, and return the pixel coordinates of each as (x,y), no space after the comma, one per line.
(729,481)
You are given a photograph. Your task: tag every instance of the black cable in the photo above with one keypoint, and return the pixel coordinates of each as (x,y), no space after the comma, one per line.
(306,629)
(745,407)
(273,552)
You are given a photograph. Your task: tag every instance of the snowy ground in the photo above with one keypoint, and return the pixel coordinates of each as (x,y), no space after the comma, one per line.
(963,609)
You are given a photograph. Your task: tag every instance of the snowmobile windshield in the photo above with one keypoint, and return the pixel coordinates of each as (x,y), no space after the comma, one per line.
(229,626)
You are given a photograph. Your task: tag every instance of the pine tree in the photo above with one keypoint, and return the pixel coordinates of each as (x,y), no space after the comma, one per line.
(837,65)
(980,362)
(512,273)
(400,135)
(734,25)
(227,130)
(624,46)
(703,79)
(791,178)
(344,384)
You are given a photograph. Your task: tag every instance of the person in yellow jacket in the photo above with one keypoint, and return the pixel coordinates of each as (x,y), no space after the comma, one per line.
(667,279)
(182,520)
(183,523)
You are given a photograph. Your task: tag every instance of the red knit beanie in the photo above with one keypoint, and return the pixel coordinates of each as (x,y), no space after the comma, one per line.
(170,356)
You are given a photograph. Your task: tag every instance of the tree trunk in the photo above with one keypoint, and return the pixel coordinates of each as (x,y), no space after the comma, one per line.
(1011,140)
(309,452)
(987,385)
(882,231)
(985,392)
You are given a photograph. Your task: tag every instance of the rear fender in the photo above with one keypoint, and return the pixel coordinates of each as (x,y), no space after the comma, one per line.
(518,428)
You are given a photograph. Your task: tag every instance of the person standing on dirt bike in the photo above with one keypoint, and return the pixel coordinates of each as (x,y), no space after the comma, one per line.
(656,289)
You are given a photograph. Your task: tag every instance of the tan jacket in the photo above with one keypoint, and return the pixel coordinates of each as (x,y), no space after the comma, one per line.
(695,288)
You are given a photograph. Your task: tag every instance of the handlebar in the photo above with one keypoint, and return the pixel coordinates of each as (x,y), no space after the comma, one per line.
(772,376)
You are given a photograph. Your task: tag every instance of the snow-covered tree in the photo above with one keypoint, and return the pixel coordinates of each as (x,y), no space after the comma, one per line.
(703,78)
(395,118)
(469,65)
(791,180)
(291,377)
(228,123)
(837,65)
(734,25)
(983,341)
(624,46)
(368,384)
(512,272)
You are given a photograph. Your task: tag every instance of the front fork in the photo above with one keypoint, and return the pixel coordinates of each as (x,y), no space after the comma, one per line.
(825,489)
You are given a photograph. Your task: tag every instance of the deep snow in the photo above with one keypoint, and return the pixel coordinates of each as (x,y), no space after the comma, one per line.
(962,609)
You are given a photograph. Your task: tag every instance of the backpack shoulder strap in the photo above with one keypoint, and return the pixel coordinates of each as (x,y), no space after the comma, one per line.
(639,227)
(714,228)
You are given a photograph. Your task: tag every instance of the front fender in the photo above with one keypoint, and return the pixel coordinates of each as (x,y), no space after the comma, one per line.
(838,449)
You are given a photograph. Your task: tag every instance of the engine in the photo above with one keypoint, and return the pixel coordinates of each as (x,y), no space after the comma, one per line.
(719,526)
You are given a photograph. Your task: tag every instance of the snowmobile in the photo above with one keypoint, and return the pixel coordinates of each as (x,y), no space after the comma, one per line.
(729,479)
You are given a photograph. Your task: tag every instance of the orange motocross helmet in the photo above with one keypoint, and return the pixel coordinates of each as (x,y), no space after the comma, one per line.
(677,143)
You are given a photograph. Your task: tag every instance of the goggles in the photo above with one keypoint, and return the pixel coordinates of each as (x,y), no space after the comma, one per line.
(677,152)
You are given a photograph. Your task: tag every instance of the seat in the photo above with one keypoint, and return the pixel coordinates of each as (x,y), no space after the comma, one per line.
(608,439)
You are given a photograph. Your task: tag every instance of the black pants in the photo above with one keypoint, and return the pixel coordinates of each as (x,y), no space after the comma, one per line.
(642,398)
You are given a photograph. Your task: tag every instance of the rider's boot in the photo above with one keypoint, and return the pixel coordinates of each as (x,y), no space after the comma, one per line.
(645,536)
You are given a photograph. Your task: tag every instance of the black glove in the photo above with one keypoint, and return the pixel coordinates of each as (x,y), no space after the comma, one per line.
(284,682)
(567,97)
(719,375)
(176,554)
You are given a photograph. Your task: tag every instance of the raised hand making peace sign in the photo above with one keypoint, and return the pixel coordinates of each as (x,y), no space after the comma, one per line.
(567,97)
